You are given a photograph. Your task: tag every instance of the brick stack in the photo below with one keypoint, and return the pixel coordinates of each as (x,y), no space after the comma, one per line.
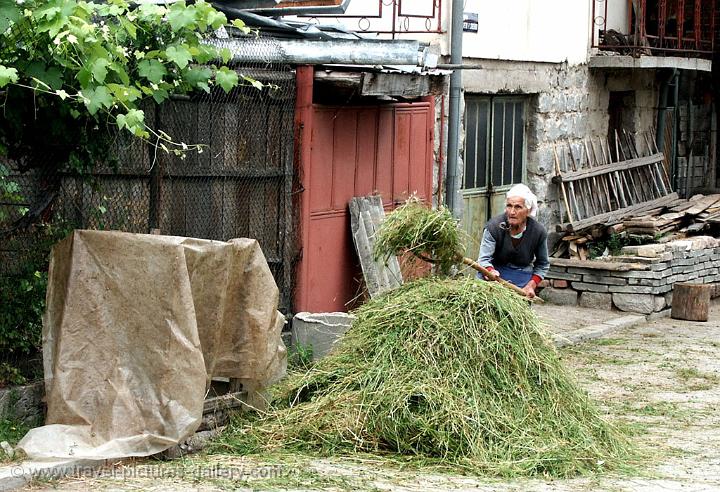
(640,280)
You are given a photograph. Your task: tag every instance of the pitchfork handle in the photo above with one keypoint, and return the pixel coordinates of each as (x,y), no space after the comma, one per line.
(477,266)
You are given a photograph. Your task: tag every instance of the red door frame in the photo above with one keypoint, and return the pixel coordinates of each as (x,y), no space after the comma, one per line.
(405,133)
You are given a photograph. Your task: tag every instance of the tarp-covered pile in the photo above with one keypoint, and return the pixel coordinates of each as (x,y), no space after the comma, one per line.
(135,327)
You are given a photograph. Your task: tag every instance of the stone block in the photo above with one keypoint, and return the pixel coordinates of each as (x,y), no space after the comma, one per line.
(635,303)
(560,284)
(668,298)
(639,274)
(596,300)
(320,331)
(545,103)
(647,282)
(679,246)
(600,278)
(644,251)
(589,287)
(24,403)
(660,303)
(632,289)
(563,297)
(543,163)
(564,276)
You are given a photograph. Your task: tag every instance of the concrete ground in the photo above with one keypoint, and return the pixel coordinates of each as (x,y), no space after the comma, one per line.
(662,377)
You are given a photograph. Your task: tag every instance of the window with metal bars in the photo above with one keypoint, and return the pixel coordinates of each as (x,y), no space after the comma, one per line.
(494,141)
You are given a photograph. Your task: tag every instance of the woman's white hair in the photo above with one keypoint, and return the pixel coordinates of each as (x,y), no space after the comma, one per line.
(522,191)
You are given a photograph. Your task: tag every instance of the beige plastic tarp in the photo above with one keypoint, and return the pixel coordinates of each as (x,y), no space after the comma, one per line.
(135,327)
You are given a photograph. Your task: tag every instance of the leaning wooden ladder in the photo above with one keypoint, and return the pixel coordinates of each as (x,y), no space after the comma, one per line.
(597,183)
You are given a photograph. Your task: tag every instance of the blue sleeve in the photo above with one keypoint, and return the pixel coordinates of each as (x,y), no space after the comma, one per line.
(542,260)
(487,249)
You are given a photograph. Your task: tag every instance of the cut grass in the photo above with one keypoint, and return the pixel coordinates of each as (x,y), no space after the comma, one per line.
(432,235)
(452,371)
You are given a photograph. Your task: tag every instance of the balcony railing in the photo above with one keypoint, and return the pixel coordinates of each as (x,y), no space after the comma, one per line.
(658,28)
(392,17)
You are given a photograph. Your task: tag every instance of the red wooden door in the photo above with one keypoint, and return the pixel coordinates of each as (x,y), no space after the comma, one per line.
(356,151)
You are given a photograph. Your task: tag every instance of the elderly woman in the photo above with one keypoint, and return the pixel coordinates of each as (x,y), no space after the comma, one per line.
(514,244)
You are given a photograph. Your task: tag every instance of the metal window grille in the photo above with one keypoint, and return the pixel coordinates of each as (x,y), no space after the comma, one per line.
(494,141)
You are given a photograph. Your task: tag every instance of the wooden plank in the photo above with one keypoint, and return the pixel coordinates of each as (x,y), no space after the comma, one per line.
(608,168)
(562,186)
(365,216)
(704,203)
(586,192)
(617,215)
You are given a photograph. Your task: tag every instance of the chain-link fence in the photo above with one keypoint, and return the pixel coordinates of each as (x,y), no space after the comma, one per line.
(240,183)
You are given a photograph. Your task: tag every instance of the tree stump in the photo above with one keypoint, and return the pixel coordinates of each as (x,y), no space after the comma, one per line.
(691,301)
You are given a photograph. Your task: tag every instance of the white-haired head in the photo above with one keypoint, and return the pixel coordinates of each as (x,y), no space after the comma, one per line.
(522,191)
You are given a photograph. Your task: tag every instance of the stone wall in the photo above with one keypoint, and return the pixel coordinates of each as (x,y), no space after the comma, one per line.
(641,280)
(23,403)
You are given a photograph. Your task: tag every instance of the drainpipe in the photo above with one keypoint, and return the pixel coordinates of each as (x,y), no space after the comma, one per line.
(452,187)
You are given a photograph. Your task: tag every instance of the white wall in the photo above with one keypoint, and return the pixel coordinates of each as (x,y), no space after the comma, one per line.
(552,31)
(617,14)
(529,30)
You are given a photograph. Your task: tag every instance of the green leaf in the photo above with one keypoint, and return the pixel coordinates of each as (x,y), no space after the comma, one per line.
(98,68)
(84,77)
(255,83)
(129,27)
(216,19)
(97,98)
(121,73)
(241,25)
(49,77)
(204,53)
(133,121)
(179,55)
(124,93)
(160,95)
(7,75)
(9,13)
(151,13)
(225,54)
(198,77)
(152,70)
(181,16)
(226,78)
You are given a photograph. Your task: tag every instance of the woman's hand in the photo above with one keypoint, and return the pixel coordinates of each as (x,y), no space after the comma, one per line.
(529,289)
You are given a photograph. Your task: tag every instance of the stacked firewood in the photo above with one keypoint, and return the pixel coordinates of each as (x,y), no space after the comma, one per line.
(674,219)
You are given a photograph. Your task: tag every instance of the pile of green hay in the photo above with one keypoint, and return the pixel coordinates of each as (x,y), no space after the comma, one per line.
(455,370)
(428,234)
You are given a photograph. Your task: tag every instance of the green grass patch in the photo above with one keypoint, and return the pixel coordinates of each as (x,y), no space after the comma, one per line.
(609,341)
(12,430)
(687,373)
